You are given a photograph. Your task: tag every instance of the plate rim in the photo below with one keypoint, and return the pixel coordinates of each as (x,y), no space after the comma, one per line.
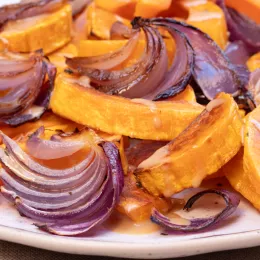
(145,251)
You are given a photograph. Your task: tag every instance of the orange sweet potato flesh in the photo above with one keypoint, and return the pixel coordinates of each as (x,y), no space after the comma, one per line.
(240,181)
(209,18)
(208,143)
(117,115)
(252,147)
(253,62)
(151,8)
(187,94)
(137,204)
(96,47)
(48,120)
(124,8)
(100,22)
(251,8)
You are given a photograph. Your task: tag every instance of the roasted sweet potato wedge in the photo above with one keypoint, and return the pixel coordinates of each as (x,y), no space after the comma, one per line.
(251,147)
(124,8)
(137,118)
(188,94)
(100,22)
(208,143)
(48,32)
(137,204)
(151,8)
(206,17)
(253,62)
(240,181)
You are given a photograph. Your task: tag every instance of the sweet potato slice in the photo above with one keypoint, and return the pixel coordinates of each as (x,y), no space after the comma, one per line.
(209,18)
(252,147)
(124,8)
(251,8)
(151,8)
(239,179)
(117,115)
(187,94)
(96,47)
(48,32)
(137,204)
(100,22)
(209,142)
(253,62)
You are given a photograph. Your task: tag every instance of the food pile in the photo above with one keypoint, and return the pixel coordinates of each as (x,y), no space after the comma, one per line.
(116,106)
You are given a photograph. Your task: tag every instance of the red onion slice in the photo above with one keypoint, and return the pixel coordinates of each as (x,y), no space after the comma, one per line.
(241,27)
(106,61)
(25,91)
(27,9)
(48,149)
(198,224)
(212,71)
(120,30)
(237,53)
(70,211)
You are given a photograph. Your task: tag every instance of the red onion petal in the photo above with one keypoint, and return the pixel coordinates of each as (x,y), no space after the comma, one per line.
(106,61)
(212,71)
(241,28)
(198,224)
(237,53)
(48,149)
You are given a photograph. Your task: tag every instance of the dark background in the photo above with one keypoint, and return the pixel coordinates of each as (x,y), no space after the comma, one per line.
(10,251)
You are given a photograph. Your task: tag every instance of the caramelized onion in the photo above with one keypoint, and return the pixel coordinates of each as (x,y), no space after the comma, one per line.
(106,61)
(24,90)
(67,202)
(213,72)
(241,27)
(198,224)
(51,149)
(254,86)
(119,30)
(197,56)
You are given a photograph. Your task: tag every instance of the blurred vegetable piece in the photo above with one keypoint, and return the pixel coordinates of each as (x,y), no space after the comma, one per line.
(124,8)
(241,28)
(100,22)
(137,204)
(33,75)
(240,181)
(90,48)
(187,94)
(151,8)
(253,87)
(250,8)
(48,120)
(253,62)
(135,118)
(58,57)
(215,136)
(210,19)
(251,147)
(48,32)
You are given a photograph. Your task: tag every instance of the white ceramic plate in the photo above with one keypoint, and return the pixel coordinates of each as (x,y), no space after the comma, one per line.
(239,231)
